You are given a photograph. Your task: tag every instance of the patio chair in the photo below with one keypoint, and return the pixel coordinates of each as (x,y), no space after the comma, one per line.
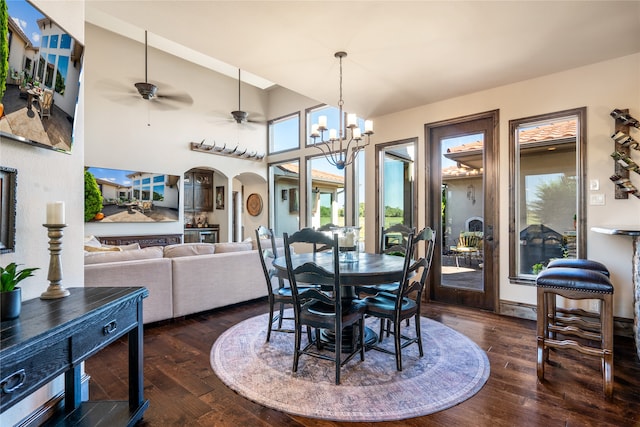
(45,103)
(467,245)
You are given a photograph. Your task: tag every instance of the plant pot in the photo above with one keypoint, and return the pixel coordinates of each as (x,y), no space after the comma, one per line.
(10,304)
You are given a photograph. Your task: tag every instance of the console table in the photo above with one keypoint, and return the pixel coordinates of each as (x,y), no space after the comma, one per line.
(52,337)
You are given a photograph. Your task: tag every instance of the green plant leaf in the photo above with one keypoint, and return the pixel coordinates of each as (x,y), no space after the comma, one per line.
(10,276)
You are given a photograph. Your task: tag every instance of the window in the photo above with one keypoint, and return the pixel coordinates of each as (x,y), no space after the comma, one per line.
(65,41)
(51,63)
(61,74)
(284,133)
(396,184)
(53,41)
(325,190)
(333,120)
(284,179)
(547,154)
(45,41)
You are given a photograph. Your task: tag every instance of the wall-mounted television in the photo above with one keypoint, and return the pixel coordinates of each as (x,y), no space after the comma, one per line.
(137,196)
(43,80)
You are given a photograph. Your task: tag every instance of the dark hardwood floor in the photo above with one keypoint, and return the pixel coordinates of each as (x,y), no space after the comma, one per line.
(184,391)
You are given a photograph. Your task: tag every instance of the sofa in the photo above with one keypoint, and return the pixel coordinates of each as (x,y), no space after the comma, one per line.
(182,279)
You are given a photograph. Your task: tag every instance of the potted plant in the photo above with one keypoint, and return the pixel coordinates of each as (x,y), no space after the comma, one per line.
(10,295)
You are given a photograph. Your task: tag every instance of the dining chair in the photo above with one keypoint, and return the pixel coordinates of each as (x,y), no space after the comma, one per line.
(406,303)
(393,241)
(277,292)
(320,310)
(325,228)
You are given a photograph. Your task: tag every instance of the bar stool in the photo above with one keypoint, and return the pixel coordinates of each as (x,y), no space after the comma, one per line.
(576,283)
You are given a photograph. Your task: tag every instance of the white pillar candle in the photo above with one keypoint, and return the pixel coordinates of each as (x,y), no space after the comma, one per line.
(55,213)
(356,133)
(314,130)
(322,122)
(351,119)
(368,126)
(333,134)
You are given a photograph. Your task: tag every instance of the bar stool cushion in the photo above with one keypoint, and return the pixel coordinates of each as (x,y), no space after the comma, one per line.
(574,279)
(579,263)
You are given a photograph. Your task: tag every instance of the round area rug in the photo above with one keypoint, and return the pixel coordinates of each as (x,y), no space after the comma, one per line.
(452,370)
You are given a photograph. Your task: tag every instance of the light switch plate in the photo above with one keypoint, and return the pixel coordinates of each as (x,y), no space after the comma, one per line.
(596,199)
(594,185)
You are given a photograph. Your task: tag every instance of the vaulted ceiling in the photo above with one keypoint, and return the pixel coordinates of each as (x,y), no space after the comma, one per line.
(401,54)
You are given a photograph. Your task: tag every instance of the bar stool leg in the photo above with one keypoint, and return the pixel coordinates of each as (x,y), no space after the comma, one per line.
(542,330)
(606,316)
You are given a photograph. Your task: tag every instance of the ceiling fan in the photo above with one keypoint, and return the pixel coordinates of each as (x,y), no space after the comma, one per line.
(150,91)
(239,115)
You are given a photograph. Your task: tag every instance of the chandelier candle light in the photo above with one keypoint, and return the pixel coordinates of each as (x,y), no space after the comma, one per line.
(55,224)
(340,150)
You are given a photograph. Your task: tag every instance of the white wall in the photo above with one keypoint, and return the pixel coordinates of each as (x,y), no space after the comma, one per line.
(600,87)
(126,132)
(43,176)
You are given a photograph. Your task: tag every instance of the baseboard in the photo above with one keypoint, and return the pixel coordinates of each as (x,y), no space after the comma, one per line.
(52,406)
(621,326)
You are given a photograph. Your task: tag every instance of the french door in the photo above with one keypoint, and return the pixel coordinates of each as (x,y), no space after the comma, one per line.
(463,208)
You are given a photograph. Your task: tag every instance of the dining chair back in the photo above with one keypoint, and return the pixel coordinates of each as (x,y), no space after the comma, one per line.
(277,292)
(327,228)
(393,240)
(406,302)
(319,309)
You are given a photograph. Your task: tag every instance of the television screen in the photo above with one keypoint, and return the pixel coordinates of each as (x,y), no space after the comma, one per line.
(136,196)
(42,80)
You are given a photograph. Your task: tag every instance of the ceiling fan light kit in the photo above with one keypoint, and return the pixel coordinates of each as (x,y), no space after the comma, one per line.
(147,90)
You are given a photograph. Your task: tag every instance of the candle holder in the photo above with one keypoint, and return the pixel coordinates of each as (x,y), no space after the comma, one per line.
(55,289)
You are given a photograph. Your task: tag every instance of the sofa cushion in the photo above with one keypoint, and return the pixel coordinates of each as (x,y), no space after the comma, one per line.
(145,253)
(92,241)
(189,249)
(233,247)
(129,247)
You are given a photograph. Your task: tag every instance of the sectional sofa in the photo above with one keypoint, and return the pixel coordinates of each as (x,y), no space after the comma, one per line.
(182,279)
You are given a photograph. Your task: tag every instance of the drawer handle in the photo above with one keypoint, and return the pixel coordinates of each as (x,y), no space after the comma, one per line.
(109,328)
(16,378)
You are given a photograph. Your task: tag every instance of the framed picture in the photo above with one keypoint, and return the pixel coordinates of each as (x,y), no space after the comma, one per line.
(7,209)
(219,197)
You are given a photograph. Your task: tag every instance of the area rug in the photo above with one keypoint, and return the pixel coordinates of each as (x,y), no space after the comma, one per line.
(452,370)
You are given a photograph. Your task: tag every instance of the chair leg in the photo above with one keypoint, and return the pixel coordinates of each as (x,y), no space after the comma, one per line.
(396,329)
(296,351)
(362,338)
(381,334)
(270,321)
(419,335)
(338,354)
(281,315)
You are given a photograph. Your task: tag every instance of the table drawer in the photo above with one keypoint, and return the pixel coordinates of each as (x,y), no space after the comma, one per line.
(22,377)
(102,330)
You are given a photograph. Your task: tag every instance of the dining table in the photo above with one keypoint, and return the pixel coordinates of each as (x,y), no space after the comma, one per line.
(368,269)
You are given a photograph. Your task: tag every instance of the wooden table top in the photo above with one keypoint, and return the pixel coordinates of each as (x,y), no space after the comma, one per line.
(371,269)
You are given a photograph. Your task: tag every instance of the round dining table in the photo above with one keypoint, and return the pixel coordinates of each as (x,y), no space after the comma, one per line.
(368,270)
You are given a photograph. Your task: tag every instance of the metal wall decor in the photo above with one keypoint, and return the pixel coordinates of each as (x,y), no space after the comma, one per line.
(226,150)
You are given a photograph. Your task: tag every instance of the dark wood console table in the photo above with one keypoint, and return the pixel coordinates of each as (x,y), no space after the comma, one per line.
(52,337)
(143,241)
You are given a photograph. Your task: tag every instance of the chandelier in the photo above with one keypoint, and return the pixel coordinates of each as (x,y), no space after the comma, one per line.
(341,150)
